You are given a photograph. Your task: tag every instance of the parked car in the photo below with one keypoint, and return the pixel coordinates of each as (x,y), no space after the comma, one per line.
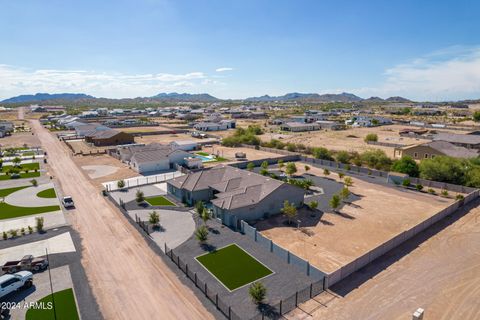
(13,282)
(68,202)
(28,262)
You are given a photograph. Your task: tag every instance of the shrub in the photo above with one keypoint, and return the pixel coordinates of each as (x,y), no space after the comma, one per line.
(22,231)
(250,166)
(322,153)
(30,230)
(5,236)
(376,159)
(313,205)
(34,182)
(419,187)
(406,165)
(201,234)
(326,172)
(371,137)
(406,182)
(39,224)
(431,191)
(334,202)
(290,168)
(459,197)
(348,181)
(341,175)
(154,218)
(13,233)
(121,184)
(139,196)
(343,157)
(444,193)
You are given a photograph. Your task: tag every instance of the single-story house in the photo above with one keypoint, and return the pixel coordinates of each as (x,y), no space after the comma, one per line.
(330,125)
(6,128)
(185,145)
(432,149)
(215,126)
(83,130)
(469,141)
(299,127)
(235,194)
(157,160)
(109,138)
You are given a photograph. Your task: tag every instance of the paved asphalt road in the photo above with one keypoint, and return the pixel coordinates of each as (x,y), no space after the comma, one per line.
(127,278)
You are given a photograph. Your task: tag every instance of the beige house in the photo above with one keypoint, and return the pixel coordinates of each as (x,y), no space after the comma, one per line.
(432,149)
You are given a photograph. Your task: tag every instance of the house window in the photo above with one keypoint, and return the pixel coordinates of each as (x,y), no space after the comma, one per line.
(415,155)
(426,155)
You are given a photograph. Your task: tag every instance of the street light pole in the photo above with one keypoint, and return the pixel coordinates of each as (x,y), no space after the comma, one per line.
(51,286)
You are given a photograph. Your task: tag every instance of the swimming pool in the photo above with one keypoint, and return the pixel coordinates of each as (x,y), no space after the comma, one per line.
(204,158)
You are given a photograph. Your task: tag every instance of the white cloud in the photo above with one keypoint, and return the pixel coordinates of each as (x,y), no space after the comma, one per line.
(223,69)
(448,74)
(15,81)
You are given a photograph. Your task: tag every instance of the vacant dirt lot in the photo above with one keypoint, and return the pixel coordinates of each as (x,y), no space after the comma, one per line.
(19,139)
(164,138)
(80,146)
(330,240)
(439,270)
(229,153)
(123,171)
(349,140)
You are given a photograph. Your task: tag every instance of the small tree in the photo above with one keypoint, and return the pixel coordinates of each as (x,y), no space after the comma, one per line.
(13,233)
(139,196)
(30,230)
(22,231)
(250,166)
(334,202)
(5,235)
(348,181)
(290,168)
(34,182)
(341,175)
(289,210)
(154,219)
(307,168)
(313,205)
(264,165)
(326,172)
(121,184)
(257,292)
(39,224)
(344,193)
(199,207)
(16,161)
(201,234)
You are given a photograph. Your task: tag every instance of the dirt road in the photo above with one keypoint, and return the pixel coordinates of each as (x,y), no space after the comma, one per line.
(127,278)
(441,275)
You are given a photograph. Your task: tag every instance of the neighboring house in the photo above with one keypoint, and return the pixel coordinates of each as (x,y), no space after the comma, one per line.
(235,194)
(109,138)
(299,127)
(368,121)
(6,128)
(469,141)
(330,125)
(85,129)
(215,126)
(185,145)
(432,149)
(157,160)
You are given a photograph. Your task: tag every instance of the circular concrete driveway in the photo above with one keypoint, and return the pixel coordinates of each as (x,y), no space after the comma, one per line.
(176,226)
(28,197)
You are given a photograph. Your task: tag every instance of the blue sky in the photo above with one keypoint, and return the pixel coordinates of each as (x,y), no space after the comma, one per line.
(424,50)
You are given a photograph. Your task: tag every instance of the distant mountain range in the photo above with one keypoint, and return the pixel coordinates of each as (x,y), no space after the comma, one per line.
(46,96)
(314,97)
(201,97)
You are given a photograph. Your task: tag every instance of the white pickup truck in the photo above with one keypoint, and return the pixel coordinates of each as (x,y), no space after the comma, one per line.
(68,202)
(13,282)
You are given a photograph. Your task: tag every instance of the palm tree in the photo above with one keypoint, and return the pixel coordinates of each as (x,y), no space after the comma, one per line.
(205,215)
(257,292)
(201,234)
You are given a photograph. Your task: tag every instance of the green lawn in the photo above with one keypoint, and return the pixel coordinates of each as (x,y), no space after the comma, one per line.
(25,166)
(6,192)
(23,175)
(48,193)
(233,266)
(159,201)
(7,211)
(65,307)
(205,154)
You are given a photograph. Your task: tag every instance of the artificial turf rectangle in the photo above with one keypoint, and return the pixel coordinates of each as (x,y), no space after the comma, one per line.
(233,266)
(8,211)
(47,193)
(23,175)
(24,166)
(65,307)
(159,201)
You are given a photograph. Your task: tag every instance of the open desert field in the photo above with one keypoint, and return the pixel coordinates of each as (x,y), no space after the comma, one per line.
(438,270)
(331,240)
(350,140)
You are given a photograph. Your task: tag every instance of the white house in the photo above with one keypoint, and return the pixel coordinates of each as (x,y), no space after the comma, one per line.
(185,145)
(157,160)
